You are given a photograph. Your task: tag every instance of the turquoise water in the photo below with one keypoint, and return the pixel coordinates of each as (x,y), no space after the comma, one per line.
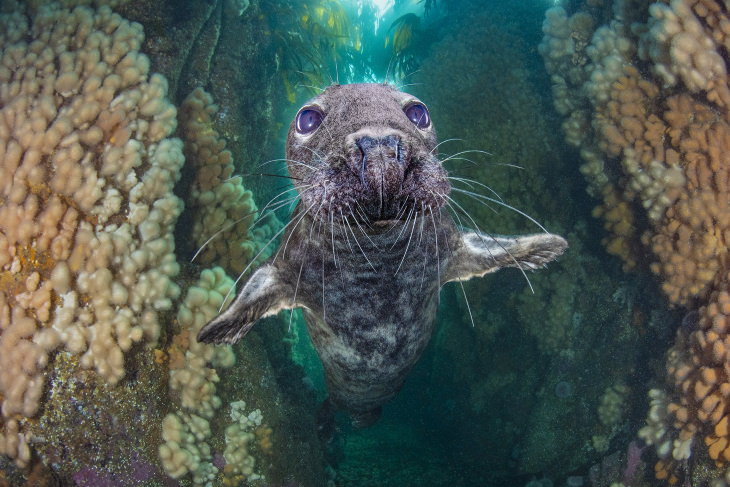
(605,122)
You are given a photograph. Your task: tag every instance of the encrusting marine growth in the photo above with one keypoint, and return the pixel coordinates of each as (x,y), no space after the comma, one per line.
(647,102)
(87,213)
(86,249)
(221,206)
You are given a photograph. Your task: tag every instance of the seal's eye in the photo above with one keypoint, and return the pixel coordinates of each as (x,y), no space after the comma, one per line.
(418,114)
(308,120)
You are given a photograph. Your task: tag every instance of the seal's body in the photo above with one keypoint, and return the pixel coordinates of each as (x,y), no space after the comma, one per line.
(370,318)
(370,244)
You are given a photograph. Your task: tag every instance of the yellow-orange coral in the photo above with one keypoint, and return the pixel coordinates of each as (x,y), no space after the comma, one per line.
(699,367)
(691,242)
(263,437)
(618,220)
(656,146)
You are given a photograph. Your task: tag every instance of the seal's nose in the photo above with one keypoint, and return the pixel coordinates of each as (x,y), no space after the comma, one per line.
(378,153)
(389,145)
(381,166)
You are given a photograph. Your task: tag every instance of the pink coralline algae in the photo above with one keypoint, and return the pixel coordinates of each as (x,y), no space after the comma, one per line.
(633,467)
(140,473)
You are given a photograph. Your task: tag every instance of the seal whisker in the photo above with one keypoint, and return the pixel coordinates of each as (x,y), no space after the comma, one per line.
(420,238)
(455,157)
(404,77)
(268,175)
(470,151)
(505,164)
(462,226)
(451,158)
(410,237)
(347,237)
(446,240)
(466,300)
(466,181)
(438,252)
(402,229)
(319,222)
(366,234)
(387,71)
(227,227)
(269,209)
(301,217)
(301,190)
(361,213)
(303,164)
(410,84)
(294,298)
(518,265)
(359,246)
(420,224)
(228,294)
(459,190)
(478,196)
(291,161)
(472,182)
(442,142)
(281,159)
(448,247)
(401,211)
(262,215)
(306,75)
(332,234)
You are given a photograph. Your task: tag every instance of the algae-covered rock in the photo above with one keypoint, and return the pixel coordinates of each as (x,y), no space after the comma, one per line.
(523,364)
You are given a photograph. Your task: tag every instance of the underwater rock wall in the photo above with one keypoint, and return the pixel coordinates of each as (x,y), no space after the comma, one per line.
(223,46)
(644,91)
(97,315)
(533,367)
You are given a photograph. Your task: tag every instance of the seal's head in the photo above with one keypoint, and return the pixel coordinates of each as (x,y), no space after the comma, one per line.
(365,151)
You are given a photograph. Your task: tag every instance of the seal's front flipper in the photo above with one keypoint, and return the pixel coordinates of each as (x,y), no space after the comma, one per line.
(477,254)
(264,294)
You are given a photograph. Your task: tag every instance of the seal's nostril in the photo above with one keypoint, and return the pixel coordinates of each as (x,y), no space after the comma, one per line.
(365,143)
(383,151)
(363,162)
(391,141)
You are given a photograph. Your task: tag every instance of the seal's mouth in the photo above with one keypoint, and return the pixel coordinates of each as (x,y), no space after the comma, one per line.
(380,179)
(387,223)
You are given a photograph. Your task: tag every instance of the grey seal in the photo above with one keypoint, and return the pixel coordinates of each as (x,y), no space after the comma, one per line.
(369,244)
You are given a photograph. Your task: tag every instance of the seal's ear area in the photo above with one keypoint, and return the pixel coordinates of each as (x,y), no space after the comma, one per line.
(478,254)
(264,294)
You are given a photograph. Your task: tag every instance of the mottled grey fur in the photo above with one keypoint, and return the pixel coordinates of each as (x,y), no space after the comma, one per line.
(369,246)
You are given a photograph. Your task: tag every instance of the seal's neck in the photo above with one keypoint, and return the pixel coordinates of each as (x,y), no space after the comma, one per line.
(349,236)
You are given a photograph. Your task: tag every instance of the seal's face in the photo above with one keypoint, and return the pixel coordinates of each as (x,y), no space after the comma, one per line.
(366,152)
